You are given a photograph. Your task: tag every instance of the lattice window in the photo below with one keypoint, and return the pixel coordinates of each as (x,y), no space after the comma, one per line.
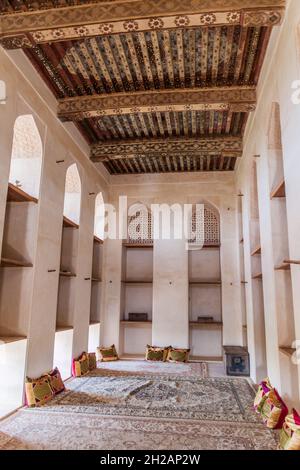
(140,226)
(204,227)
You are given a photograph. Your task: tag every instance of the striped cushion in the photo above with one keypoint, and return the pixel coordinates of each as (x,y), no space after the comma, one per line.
(154,353)
(92,361)
(56,382)
(290,433)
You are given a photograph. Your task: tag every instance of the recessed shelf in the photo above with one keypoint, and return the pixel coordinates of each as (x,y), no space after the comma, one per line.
(287,350)
(257,276)
(69,223)
(206,325)
(290,261)
(12,263)
(206,359)
(205,283)
(11,339)
(138,282)
(94,323)
(132,357)
(279,190)
(256,251)
(283,267)
(136,323)
(67,274)
(63,328)
(138,245)
(98,240)
(15,194)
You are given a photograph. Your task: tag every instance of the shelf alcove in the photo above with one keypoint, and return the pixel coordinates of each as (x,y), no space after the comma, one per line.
(17,258)
(96,277)
(242,267)
(205,289)
(67,280)
(137,283)
(282,261)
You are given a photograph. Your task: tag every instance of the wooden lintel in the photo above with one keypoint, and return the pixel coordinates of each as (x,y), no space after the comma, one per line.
(233,99)
(30,28)
(224,146)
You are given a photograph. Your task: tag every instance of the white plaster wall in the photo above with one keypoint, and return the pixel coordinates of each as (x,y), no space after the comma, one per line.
(279,72)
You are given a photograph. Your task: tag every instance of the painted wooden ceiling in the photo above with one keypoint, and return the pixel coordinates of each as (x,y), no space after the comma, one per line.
(150,78)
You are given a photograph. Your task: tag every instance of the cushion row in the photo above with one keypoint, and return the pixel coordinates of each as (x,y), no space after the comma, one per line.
(167,354)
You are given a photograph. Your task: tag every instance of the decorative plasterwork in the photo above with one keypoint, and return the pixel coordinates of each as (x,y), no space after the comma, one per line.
(157,148)
(234,99)
(82,21)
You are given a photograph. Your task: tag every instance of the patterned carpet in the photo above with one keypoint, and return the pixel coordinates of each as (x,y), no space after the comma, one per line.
(116,409)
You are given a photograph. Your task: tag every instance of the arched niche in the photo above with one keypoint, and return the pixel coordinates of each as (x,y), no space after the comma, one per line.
(99,216)
(72,202)
(26,156)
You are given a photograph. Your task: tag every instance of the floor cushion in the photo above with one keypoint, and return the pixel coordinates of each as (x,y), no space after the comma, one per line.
(107,354)
(290,433)
(38,391)
(56,382)
(154,353)
(178,355)
(274,410)
(92,361)
(80,366)
(263,390)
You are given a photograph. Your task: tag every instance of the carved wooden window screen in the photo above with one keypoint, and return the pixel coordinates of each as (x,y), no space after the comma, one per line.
(207,232)
(140,228)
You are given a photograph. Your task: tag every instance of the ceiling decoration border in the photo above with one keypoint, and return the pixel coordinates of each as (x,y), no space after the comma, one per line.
(33,28)
(234,99)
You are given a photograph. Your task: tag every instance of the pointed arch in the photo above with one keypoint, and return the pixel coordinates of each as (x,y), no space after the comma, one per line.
(26,156)
(72,202)
(99,216)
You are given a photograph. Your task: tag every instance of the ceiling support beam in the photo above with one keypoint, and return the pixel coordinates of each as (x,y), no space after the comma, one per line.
(222,146)
(234,99)
(27,29)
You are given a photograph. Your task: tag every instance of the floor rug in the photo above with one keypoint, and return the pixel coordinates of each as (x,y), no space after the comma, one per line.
(63,431)
(221,399)
(147,367)
(121,410)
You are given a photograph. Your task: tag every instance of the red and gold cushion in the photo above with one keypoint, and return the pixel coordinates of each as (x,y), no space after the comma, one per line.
(262,393)
(38,391)
(92,361)
(80,366)
(290,433)
(273,410)
(157,354)
(107,354)
(178,355)
(56,382)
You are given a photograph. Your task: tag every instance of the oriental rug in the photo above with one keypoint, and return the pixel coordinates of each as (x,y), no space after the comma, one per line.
(121,410)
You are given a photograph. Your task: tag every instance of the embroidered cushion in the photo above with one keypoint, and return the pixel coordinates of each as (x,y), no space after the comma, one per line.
(290,433)
(80,366)
(273,410)
(178,355)
(56,382)
(107,354)
(263,390)
(154,353)
(38,391)
(92,361)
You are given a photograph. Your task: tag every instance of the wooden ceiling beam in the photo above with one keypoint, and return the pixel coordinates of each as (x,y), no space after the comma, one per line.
(200,147)
(234,99)
(29,28)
